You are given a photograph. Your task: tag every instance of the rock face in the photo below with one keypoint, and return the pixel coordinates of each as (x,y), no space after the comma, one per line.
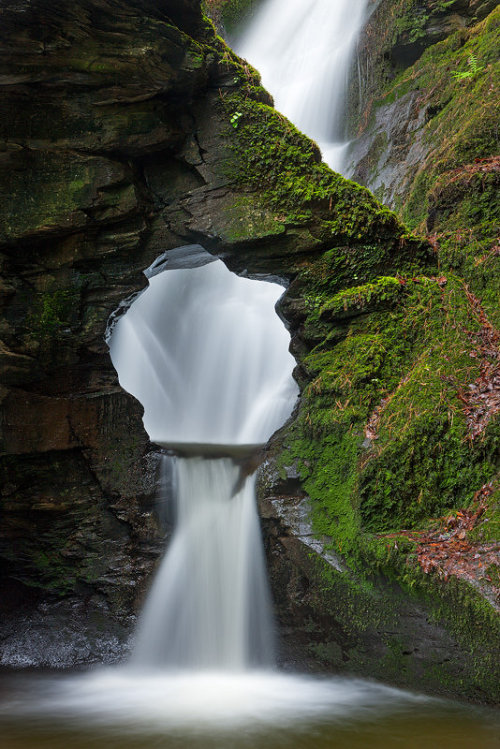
(131,129)
(396,34)
(329,623)
(423,114)
(82,99)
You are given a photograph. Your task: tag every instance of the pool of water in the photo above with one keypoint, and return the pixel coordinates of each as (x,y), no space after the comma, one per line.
(129,709)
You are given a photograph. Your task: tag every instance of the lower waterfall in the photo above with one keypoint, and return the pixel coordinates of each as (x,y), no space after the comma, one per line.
(209,604)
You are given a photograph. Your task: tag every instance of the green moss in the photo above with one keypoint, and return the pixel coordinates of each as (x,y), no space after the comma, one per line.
(230,14)
(361,299)
(235,12)
(362,603)
(488,529)
(416,459)
(392,354)
(422,460)
(468,217)
(52,311)
(243,220)
(271,155)
(476,626)
(403,348)
(413,17)
(363,609)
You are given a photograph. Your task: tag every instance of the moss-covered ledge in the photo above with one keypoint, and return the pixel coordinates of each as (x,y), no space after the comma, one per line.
(398,489)
(373,613)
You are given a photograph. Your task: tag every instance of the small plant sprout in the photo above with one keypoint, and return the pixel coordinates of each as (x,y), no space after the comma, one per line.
(235,119)
(473,69)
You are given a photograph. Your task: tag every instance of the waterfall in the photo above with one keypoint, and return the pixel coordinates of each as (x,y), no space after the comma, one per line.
(303,51)
(207,356)
(209,603)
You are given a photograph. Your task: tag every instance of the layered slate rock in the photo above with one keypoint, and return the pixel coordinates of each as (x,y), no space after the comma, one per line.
(86,89)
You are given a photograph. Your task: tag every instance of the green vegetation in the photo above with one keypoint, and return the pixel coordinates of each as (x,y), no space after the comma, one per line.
(413,17)
(473,69)
(281,168)
(234,119)
(405,350)
(52,311)
(231,13)
(381,440)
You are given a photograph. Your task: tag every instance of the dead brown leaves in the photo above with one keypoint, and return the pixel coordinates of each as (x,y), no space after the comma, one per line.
(481,400)
(479,166)
(447,550)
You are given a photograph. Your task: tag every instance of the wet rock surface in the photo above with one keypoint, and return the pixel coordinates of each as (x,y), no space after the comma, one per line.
(37,632)
(388,158)
(393,130)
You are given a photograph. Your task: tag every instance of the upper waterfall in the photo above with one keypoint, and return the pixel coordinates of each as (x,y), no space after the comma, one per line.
(303,51)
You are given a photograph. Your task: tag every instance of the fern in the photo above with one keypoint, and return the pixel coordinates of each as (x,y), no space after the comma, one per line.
(474,69)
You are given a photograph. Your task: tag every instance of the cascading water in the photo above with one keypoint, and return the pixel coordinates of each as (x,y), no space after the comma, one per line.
(208,358)
(303,51)
(209,607)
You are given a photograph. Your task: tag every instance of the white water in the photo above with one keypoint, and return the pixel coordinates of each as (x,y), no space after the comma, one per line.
(207,356)
(207,703)
(209,604)
(303,50)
